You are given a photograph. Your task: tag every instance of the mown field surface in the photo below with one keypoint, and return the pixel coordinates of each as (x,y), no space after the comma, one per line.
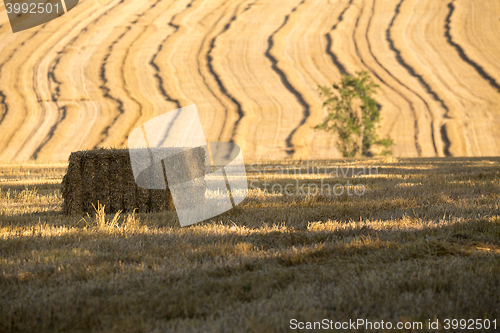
(252,67)
(423,242)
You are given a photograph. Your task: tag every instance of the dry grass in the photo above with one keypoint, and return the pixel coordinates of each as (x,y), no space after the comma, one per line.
(422,243)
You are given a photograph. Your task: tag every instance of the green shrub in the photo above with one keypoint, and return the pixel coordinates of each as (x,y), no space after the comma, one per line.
(353,114)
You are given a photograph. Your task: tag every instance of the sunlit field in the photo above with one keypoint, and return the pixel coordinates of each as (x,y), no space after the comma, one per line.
(407,240)
(252,68)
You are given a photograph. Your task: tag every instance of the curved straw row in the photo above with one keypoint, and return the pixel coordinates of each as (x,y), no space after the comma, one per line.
(87,79)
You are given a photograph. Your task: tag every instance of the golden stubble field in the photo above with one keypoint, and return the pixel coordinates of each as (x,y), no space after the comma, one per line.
(422,242)
(252,67)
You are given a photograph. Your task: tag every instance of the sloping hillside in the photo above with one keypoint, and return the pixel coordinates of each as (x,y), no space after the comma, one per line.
(252,68)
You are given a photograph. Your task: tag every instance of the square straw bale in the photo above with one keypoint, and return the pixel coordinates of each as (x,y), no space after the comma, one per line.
(115,181)
(105,177)
(72,186)
(101,187)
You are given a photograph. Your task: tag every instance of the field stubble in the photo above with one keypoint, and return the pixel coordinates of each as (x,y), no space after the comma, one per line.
(423,242)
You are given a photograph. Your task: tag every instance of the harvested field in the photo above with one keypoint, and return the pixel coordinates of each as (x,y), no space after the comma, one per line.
(252,67)
(421,243)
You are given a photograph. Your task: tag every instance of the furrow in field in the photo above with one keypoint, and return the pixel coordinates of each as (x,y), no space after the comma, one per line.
(370,46)
(106,68)
(328,37)
(306,68)
(202,25)
(83,85)
(309,66)
(411,36)
(402,62)
(216,56)
(469,98)
(388,84)
(3,98)
(105,135)
(145,84)
(478,73)
(272,111)
(332,53)
(130,75)
(476,27)
(276,46)
(346,36)
(343,39)
(333,56)
(76,91)
(39,109)
(413,73)
(62,113)
(48,110)
(5,107)
(182,62)
(168,21)
(460,46)
(232,107)
(160,83)
(113,78)
(37,66)
(12,58)
(156,68)
(47,88)
(156,64)
(462,53)
(70,109)
(62,110)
